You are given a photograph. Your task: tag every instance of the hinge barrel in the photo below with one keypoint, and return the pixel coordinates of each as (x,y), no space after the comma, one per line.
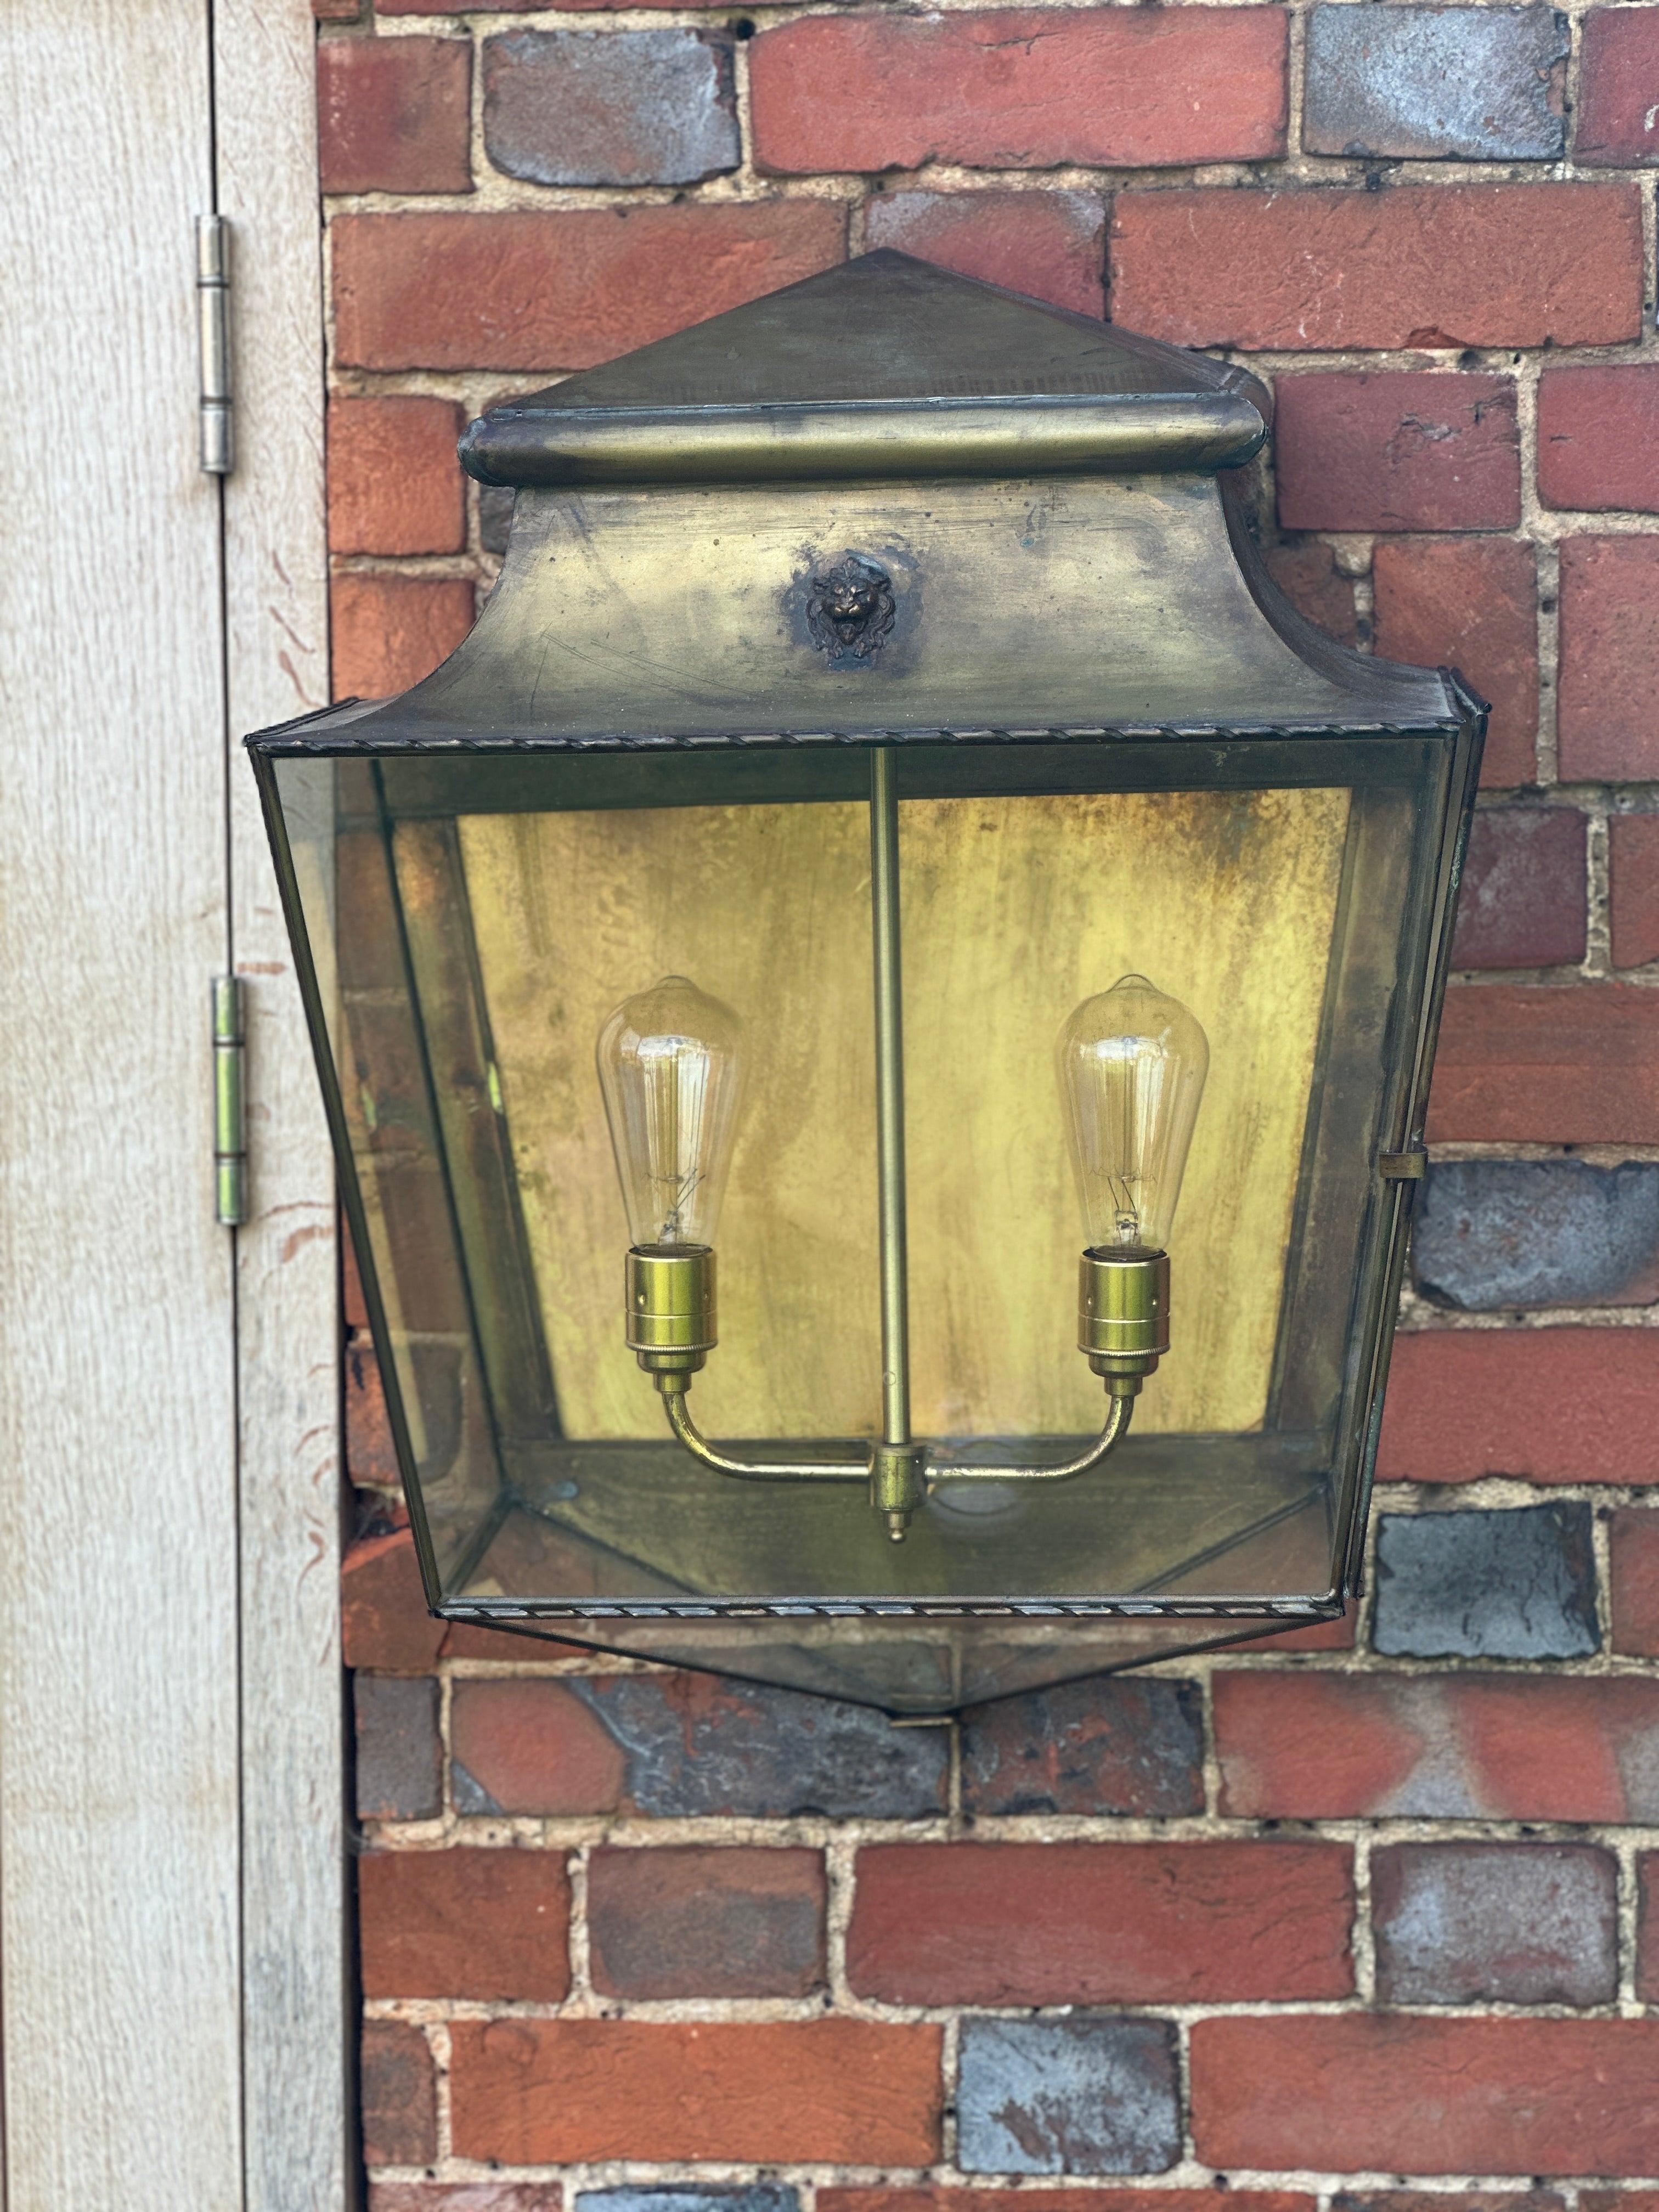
(213,312)
(229,1103)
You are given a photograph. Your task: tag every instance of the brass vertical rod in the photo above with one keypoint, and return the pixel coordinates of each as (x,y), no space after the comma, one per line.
(890,1097)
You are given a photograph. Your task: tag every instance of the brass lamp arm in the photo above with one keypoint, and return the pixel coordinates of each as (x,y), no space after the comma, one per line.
(1117,1425)
(756,1470)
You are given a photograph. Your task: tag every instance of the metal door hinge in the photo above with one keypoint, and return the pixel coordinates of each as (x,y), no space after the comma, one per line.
(1402,1167)
(213,315)
(229,1106)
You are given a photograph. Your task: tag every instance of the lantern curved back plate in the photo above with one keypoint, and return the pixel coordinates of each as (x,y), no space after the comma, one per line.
(889,548)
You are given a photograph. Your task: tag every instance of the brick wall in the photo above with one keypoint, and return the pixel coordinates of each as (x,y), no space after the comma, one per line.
(1341,1917)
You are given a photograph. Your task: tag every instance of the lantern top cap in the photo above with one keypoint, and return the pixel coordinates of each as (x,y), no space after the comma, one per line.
(883,366)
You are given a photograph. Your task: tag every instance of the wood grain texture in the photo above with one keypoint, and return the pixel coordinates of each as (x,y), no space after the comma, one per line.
(295,1996)
(1014,910)
(119,1797)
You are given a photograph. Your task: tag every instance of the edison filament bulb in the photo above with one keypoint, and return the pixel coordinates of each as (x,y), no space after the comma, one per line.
(670,1068)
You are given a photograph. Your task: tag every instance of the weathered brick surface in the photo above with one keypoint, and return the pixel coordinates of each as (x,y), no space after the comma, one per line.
(686,1744)
(1634,885)
(1647,1969)
(1598,437)
(1495,1234)
(1635,1580)
(1397,450)
(466,2196)
(733,2197)
(399,2094)
(484,1924)
(1619,87)
(390,631)
(1515,1584)
(394,484)
(393,115)
(611,107)
(1018,89)
(1054,1923)
(1068,2096)
(559,290)
(1469,604)
(1051,244)
(1418,265)
(1453,1746)
(943,2197)
(1516,1924)
(1609,640)
(1574,1064)
(1560,1405)
(399,1758)
(371,1456)
(383,1622)
(1112,1745)
(541,2091)
(1425,82)
(691,1922)
(1524,895)
(1308,575)
(1432,2096)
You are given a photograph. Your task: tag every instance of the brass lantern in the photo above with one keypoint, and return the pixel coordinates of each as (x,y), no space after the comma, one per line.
(887,840)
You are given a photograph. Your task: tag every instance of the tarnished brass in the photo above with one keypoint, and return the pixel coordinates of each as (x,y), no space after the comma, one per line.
(671,1308)
(1123,1315)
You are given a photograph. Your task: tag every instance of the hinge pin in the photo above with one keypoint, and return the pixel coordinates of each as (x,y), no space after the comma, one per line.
(213,310)
(229,1106)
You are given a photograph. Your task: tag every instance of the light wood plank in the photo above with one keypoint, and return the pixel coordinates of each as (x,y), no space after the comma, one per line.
(118,1814)
(296,1998)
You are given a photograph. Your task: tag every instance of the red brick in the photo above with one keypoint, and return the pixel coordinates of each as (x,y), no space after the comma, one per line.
(1633,883)
(1397,449)
(561,289)
(941,2197)
(1450,2200)
(543,2092)
(371,1456)
(1635,1563)
(399,2115)
(1618,90)
(1020,88)
(1647,1961)
(383,1622)
(394,484)
(533,1746)
(1547,1063)
(1311,579)
(1469,604)
(1609,649)
(395,115)
(466,1640)
(1427,2096)
(1050,244)
(1554,1405)
(1309,1746)
(336,11)
(1412,265)
(1101,1923)
(474,2195)
(1523,901)
(487,1924)
(1598,437)
(696,1922)
(390,631)
(1619,2200)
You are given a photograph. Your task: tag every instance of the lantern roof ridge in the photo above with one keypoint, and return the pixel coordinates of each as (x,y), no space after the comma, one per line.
(884,364)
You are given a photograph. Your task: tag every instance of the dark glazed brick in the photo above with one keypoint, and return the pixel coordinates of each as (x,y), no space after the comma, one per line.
(611,107)
(1106,1746)
(1311,579)
(1619,88)
(398,1749)
(495,516)
(751,2197)
(1084,2095)
(1516,1584)
(1419,83)
(399,2097)
(1508,1923)
(1523,902)
(1495,1234)
(687,1922)
(1396,449)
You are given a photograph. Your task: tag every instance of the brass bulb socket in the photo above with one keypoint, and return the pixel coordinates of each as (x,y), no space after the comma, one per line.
(671,1307)
(1123,1315)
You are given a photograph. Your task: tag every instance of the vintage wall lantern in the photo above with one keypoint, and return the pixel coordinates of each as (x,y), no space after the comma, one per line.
(883,767)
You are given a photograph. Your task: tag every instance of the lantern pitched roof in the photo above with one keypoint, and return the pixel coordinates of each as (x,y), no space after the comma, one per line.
(886,355)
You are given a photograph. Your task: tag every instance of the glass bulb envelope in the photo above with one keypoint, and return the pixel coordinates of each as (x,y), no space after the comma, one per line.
(637,805)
